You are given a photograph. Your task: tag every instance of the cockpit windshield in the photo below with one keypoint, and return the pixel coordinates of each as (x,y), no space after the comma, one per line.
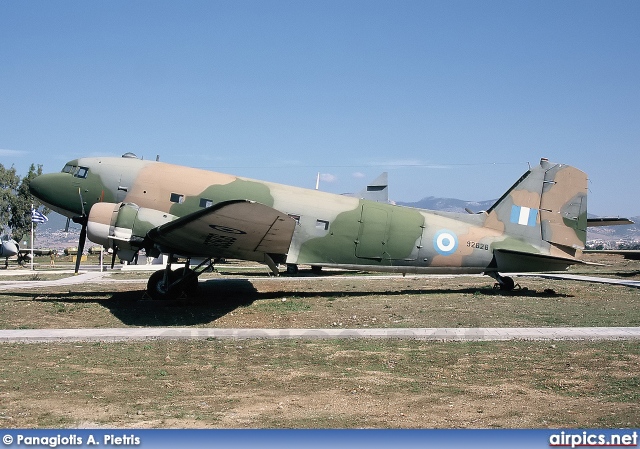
(76,171)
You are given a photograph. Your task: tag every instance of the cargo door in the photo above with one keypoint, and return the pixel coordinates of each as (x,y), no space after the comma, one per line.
(373,234)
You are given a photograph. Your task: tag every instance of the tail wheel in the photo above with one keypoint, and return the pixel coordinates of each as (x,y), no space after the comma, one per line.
(504,282)
(507,283)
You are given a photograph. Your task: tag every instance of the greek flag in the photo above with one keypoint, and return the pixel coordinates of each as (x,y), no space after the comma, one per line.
(37,217)
(524,215)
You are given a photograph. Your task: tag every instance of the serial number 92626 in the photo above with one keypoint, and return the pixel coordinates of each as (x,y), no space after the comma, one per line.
(478,245)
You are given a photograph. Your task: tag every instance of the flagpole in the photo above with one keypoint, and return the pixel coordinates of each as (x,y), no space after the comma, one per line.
(32,237)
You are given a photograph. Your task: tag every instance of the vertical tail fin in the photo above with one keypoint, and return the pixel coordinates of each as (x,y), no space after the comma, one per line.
(548,203)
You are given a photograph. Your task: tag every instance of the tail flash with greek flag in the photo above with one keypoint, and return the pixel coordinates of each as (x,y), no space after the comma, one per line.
(38,217)
(524,215)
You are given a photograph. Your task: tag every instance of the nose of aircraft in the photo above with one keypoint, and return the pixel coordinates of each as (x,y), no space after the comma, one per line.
(44,188)
(37,186)
(56,191)
(8,249)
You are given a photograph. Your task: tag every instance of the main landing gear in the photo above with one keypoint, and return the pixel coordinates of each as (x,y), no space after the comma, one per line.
(503,282)
(179,283)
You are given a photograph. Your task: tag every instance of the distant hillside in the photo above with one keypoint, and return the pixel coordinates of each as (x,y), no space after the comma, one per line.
(57,222)
(449,204)
(612,233)
(51,234)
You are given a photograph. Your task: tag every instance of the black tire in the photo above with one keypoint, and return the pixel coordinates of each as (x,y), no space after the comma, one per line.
(507,283)
(292,268)
(156,289)
(316,269)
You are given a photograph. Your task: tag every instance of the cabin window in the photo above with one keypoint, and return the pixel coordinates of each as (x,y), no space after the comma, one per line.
(322,225)
(205,202)
(68,168)
(177,198)
(82,172)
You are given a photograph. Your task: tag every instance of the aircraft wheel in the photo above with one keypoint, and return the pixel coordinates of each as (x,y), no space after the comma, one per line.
(292,268)
(156,288)
(316,269)
(507,283)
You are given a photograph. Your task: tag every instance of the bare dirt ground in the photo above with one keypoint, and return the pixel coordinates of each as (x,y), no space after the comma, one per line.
(337,384)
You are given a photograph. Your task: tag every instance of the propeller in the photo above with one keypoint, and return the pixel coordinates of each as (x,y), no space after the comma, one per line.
(81,220)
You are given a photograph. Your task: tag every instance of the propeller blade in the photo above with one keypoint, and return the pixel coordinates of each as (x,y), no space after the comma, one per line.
(81,202)
(81,242)
(113,256)
(66,228)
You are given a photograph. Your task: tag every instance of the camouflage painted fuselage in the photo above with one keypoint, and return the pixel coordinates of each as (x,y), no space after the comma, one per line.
(539,224)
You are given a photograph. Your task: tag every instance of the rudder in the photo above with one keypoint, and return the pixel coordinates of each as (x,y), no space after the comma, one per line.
(563,209)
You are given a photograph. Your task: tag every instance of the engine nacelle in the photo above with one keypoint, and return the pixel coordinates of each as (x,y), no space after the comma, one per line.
(123,226)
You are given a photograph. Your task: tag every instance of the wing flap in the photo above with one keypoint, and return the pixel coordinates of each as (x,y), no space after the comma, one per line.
(234,229)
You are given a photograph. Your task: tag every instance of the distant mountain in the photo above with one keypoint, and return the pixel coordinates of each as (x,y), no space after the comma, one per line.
(57,222)
(51,234)
(616,233)
(449,204)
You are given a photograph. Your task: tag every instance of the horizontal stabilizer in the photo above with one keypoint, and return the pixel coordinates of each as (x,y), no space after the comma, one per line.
(510,261)
(608,221)
(631,254)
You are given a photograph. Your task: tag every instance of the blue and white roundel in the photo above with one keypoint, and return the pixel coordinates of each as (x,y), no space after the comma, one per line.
(445,242)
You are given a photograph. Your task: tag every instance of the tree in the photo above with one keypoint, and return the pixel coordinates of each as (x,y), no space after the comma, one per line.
(19,203)
(9,182)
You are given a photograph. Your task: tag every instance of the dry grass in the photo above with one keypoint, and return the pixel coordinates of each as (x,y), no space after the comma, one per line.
(327,302)
(299,384)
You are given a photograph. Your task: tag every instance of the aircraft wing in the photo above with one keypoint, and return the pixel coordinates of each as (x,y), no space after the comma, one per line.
(233,229)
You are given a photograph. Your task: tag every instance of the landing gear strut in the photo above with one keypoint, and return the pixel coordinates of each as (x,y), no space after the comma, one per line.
(503,282)
(179,283)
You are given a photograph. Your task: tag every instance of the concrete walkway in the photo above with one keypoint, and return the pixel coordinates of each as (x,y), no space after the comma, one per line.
(83,278)
(575,277)
(432,334)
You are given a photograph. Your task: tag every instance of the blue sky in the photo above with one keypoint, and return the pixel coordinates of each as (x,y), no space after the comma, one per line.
(452,98)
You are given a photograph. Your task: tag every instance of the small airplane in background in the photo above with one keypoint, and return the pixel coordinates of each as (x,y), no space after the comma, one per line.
(8,248)
(128,204)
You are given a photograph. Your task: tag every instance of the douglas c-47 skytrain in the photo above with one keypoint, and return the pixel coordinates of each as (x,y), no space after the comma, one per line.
(129,204)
